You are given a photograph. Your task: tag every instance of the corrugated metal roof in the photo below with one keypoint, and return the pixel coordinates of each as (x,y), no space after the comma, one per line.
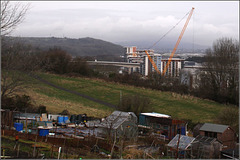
(153,114)
(213,127)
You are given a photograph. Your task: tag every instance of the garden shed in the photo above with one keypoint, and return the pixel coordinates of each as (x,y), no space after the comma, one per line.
(7,118)
(162,124)
(223,133)
(121,124)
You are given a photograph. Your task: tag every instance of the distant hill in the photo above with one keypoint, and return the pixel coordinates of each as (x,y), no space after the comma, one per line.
(165,46)
(75,47)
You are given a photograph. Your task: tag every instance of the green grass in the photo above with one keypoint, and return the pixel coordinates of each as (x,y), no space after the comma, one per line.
(178,106)
(26,146)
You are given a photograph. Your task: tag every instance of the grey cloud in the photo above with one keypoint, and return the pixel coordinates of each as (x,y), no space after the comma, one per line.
(125,21)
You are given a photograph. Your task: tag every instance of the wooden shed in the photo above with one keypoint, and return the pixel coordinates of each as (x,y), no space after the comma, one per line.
(7,118)
(225,134)
(162,124)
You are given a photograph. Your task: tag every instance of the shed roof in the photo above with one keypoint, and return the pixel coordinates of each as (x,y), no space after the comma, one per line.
(117,118)
(213,127)
(205,140)
(26,115)
(184,142)
(153,114)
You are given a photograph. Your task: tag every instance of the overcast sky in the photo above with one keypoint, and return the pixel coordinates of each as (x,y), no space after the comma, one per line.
(131,21)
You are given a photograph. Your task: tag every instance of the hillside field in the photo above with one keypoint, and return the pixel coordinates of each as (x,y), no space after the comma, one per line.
(176,105)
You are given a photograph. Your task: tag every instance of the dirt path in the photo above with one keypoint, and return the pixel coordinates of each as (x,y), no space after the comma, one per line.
(73,92)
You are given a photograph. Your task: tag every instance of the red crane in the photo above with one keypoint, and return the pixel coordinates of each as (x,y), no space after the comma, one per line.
(178,41)
(175,48)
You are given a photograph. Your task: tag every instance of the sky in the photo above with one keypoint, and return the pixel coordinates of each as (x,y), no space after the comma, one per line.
(124,21)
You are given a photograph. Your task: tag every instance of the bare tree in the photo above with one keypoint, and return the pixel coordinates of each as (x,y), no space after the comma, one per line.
(17,60)
(55,60)
(220,81)
(229,116)
(12,14)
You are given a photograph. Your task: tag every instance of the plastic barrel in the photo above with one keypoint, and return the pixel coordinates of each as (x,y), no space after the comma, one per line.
(60,119)
(43,132)
(79,118)
(65,118)
(183,131)
(18,126)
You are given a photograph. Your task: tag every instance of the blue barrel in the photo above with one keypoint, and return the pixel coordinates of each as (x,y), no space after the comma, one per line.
(60,119)
(18,126)
(183,131)
(43,132)
(65,118)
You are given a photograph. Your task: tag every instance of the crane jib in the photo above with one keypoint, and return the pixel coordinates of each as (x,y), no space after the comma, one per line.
(175,47)
(178,41)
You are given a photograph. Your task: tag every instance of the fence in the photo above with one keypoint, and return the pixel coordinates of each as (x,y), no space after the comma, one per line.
(88,142)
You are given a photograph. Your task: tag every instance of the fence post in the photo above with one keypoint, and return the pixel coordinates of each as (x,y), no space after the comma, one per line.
(18,150)
(59,151)
(3,153)
(52,152)
(34,149)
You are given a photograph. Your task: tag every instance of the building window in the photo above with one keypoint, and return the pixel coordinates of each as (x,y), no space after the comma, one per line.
(211,134)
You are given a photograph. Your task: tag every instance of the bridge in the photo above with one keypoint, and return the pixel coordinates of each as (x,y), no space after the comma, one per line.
(131,67)
(120,64)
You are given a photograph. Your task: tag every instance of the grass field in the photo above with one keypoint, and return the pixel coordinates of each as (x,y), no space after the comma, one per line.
(176,105)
